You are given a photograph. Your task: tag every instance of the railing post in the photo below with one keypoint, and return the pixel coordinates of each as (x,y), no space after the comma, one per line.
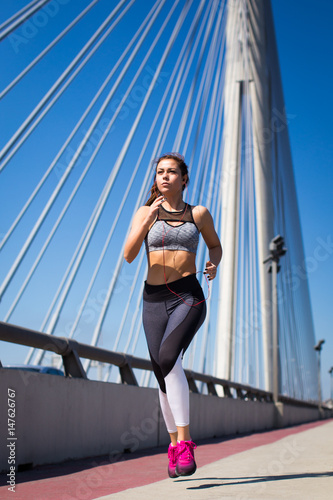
(72,363)
(211,389)
(127,374)
(191,382)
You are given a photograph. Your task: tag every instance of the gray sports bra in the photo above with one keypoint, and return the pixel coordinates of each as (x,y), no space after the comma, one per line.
(163,235)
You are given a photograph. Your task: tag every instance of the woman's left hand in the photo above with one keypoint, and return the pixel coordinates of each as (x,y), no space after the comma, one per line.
(210,269)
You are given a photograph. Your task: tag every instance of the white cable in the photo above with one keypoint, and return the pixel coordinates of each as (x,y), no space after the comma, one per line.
(216,203)
(54,162)
(183,121)
(58,82)
(63,88)
(179,85)
(213,200)
(47,49)
(209,87)
(173,36)
(67,173)
(17,14)
(171,105)
(79,252)
(17,21)
(103,198)
(207,136)
(56,225)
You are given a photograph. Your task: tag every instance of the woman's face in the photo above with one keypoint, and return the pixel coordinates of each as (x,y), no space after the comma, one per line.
(169,178)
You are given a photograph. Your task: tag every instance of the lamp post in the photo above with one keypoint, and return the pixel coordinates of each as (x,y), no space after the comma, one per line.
(330,371)
(318,348)
(277,250)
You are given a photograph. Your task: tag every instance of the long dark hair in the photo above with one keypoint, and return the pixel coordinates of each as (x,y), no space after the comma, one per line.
(180,160)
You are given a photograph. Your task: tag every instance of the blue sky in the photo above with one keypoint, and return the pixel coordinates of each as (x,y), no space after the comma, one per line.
(304,43)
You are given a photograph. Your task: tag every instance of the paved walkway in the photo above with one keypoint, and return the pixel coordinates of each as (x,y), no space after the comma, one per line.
(293,463)
(297,466)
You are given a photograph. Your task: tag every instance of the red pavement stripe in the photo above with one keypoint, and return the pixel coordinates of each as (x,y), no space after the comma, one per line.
(93,478)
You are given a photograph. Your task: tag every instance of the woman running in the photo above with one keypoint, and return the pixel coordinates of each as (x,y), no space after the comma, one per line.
(174,305)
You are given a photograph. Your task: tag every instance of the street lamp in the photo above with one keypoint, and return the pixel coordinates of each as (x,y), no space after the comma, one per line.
(277,250)
(330,371)
(318,348)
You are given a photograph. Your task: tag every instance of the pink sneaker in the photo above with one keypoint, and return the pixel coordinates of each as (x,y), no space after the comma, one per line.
(172,456)
(186,465)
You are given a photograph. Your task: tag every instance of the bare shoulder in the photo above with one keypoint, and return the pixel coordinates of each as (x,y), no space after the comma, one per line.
(201,216)
(205,223)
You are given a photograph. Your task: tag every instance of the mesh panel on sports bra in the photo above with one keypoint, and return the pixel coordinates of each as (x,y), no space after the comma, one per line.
(178,216)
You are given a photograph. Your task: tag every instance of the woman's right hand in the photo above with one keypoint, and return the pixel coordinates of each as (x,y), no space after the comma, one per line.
(143,220)
(153,210)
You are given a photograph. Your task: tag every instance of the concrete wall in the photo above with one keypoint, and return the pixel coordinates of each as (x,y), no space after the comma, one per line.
(58,418)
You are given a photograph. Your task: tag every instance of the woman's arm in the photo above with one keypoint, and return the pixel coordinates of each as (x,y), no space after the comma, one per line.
(205,224)
(142,221)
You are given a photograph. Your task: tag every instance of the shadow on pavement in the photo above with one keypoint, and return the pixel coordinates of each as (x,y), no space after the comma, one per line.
(227,481)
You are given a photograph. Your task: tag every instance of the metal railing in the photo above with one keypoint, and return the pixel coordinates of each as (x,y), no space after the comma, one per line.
(71,352)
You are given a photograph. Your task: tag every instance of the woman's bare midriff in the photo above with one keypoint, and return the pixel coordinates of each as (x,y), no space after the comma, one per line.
(176,264)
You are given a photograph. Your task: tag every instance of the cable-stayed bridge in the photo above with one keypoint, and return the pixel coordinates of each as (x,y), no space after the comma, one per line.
(92,94)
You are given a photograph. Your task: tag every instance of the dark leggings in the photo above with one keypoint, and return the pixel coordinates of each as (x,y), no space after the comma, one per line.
(170,321)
